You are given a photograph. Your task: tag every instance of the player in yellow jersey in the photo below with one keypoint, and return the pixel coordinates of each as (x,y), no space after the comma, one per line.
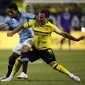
(42,44)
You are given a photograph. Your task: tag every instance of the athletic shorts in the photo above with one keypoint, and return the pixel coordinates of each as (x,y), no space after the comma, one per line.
(47,55)
(17,49)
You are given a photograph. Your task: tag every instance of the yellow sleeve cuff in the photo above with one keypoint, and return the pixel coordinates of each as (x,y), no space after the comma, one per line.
(25,25)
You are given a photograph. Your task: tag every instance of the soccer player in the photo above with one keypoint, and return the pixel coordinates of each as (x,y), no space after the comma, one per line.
(28,8)
(42,44)
(16,18)
(65,24)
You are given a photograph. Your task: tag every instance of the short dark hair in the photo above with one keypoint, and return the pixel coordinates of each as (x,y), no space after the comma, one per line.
(46,12)
(27,5)
(13,6)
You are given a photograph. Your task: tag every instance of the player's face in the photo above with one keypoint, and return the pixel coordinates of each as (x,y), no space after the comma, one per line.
(41,18)
(27,9)
(12,13)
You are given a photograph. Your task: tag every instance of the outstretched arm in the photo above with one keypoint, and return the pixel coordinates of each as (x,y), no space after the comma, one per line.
(11,33)
(66,35)
(23,26)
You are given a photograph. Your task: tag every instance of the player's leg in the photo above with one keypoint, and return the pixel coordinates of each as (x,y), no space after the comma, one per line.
(15,69)
(61,42)
(32,57)
(24,57)
(15,54)
(49,58)
(16,66)
(62,69)
(69,43)
(11,62)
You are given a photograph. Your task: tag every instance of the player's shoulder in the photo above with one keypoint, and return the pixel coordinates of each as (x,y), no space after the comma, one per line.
(50,24)
(7,18)
(32,21)
(26,14)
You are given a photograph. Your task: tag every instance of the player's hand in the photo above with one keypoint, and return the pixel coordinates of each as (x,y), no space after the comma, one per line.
(80,38)
(10,34)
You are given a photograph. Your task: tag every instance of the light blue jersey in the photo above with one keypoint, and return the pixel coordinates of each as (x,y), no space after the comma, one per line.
(19,20)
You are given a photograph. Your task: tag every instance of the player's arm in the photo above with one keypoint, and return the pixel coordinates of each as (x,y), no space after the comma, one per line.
(11,33)
(6,23)
(24,26)
(29,16)
(66,35)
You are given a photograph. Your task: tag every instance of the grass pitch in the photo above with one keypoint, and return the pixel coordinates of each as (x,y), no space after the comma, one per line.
(39,73)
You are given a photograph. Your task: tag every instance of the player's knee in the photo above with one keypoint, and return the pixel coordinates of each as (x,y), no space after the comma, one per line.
(54,65)
(25,48)
(24,56)
(12,59)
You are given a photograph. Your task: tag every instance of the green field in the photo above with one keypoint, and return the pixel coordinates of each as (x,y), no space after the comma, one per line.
(41,74)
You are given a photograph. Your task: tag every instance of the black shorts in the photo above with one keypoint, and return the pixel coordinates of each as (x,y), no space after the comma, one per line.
(47,55)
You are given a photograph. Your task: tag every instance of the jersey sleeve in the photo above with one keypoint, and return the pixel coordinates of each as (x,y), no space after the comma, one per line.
(28,24)
(6,22)
(56,29)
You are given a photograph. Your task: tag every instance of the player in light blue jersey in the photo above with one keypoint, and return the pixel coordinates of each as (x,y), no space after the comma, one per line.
(15,19)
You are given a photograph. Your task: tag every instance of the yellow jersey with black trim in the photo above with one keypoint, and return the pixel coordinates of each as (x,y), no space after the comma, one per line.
(42,34)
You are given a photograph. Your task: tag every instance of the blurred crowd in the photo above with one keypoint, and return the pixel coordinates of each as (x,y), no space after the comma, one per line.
(75,10)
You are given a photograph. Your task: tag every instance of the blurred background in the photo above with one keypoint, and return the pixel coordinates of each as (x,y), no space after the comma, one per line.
(72,57)
(76,10)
